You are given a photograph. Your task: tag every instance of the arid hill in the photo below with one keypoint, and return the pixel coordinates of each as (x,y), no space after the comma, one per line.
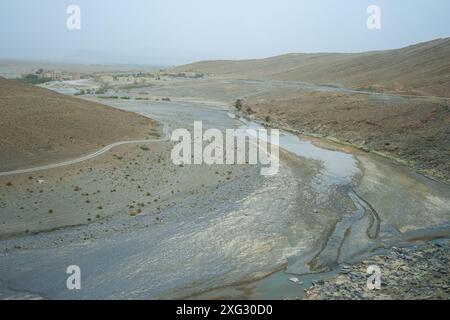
(422,69)
(413,130)
(38,126)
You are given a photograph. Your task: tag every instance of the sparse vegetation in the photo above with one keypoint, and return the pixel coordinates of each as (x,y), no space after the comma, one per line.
(238,104)
(109,97)
(33,78)
(103,89)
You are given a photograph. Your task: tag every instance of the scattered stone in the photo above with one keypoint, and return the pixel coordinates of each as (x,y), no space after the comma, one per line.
(408,273)
(294,279)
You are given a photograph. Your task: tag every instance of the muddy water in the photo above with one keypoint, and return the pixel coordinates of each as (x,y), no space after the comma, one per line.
(339,168)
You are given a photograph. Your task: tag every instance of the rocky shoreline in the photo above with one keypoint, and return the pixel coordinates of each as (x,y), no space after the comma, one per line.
(420,272)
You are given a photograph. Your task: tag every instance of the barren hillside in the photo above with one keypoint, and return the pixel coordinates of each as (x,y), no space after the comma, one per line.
(422,69)
(38,126)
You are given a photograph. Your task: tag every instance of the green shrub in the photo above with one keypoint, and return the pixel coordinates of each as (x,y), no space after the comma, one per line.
(34,79)
(238,104)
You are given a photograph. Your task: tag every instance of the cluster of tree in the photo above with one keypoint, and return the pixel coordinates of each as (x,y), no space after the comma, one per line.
(239,105)
(102,90)
(34,78)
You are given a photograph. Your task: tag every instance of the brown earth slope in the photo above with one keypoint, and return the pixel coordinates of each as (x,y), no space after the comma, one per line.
(422,69)
(415,131)
(38,126)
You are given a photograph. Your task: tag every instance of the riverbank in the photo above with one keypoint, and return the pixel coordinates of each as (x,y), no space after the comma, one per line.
(132,179)
(412,132)
(409,273)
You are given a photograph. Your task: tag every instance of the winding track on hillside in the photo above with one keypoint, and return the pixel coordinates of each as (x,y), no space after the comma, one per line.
(83,158)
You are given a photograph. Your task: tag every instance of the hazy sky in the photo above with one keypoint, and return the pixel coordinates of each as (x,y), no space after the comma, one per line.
(181,31)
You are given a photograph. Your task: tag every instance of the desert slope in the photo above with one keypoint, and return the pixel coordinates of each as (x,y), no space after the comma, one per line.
(38,126)
(422,69)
